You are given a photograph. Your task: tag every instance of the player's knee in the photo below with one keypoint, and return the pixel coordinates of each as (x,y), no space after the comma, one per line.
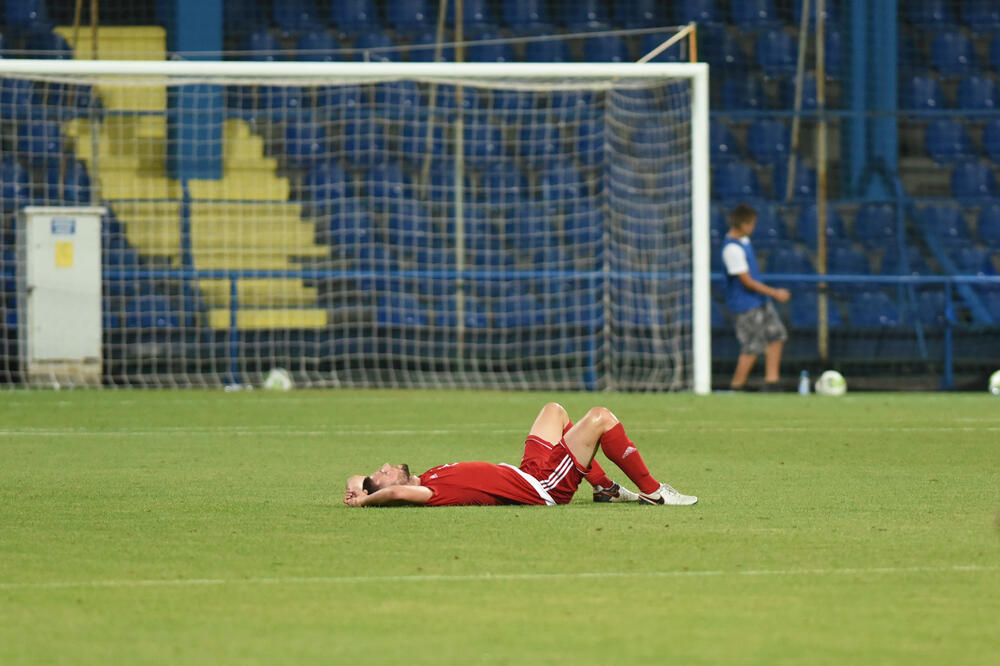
(556,409)
(602,418)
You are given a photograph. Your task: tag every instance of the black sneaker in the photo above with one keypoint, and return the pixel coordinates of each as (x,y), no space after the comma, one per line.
(614,494)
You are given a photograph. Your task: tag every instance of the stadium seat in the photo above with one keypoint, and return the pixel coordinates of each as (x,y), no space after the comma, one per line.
(305,142)
(348,229)
(353,15)
(929,14)
(414,145)
(489,52)
(26,16)
(771,227)
(638,14)
(15,98)
(806,226)
(978,92)
(363,142)
(675,53)
(385,182)
(325,184)
(475,313)
(751,15)
(768,141)
(262,46)
(808,99)
(408,226)
(722,143)
(397,309)
(789,260)
(483,142)
(830,14)
(242,16)
(930,309)
(446,97)
(294,16)
(376,46)
(952,54)
(408,15)
(590,142)
(803,311)
(981,15)
(921,92)
(988,225)
(700,11)
(875,225)
(804,185)
(344,101)
(150,311)
(610,48)
(775,52)
(49,46)
(893,263)
(560,184)
(720,49)
(547,50)
(945,224)
(995,52)
(743,91)
(39,142)
(316,46)
(845,260)
(398,97)
(15,185)
(529,15)
(991,301)
(972,261)
(834,53)
(973,180)
(991,140)
(873,309)
(735,180)
(280,102)
(584,15)
(475,14)
(539,143)
(71,187)
(947,141)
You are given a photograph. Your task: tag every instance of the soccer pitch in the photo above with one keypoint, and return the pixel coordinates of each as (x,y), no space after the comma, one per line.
(153,527)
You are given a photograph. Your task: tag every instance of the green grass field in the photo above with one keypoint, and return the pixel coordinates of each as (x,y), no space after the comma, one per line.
(148,527)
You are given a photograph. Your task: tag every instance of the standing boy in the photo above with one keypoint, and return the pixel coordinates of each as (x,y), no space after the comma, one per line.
(758,327)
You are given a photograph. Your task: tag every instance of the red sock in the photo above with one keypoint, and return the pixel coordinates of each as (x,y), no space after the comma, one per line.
(622,452)
(597,477)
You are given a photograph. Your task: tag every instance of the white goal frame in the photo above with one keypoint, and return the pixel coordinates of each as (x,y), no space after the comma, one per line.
(204,71)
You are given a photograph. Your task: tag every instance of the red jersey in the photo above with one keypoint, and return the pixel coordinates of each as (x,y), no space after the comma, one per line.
(482,484)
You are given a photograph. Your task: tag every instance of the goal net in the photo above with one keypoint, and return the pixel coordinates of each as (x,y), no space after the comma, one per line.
(379,224)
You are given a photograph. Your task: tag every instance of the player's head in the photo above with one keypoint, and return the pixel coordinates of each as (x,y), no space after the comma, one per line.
(743,218)
(386,476)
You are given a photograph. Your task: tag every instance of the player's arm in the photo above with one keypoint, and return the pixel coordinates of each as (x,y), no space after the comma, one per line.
(780,295)
(393,496)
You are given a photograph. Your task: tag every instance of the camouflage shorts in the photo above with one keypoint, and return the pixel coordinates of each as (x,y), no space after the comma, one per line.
(759,327)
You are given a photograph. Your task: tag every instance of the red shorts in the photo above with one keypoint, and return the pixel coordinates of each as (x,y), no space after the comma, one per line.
(554,466)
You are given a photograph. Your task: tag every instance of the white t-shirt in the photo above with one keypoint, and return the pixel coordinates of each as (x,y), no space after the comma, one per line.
(735,257)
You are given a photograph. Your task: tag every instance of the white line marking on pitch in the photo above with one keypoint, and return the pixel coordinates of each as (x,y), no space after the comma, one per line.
(484,577)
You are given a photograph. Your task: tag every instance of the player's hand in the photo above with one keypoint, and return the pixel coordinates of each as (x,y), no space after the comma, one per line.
(782,295)
(354,498)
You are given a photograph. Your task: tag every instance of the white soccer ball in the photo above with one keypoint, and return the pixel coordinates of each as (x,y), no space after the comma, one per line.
(831,382)
(995,383)
(278,379)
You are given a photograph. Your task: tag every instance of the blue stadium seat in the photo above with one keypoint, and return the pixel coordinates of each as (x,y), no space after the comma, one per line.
(930,14)
(15,185)
(398,309)
(952,54)
(548,50)
(316,46)
(978,92)
(754,14)
(803,312)
(242,16)
(560,184)
(15,98)
(324,185)
(262,46)
(414,145)
(475,315)
(973,180)
(590,142)
(525,14)
(873,309)
(280,102)
(39,142)
(539,143)
(584,15)
(718,226)
(348,229)
(834,53)
(947,141)
(720,49)
(946,224)
(787,92)
(305,142)
(408,15)
(385,182)
(981,15)
(776,52)
(376,46)
(408,226)
(26,16)
(700,11)
(921,92)
(353,15)
(150,311)
(735,180)
(972,261)
(475,14)
(483,142)
(845,260)
(931,306)
(610,48)
(639,14)
(789,260)
(804,185)
(489,52)
(363,142)
(893,263)
(675,53)
(344,101)
(447,98)
(807,222)
(991,140)
(294,16)
(743,91)
(3,45)
(988,225)
(991,301)
(722,143)
(49,46)
(875,225)
(583,226)
(398,97)
(769,141)
(771,227)
(72,187)
(830,14)
(995,52)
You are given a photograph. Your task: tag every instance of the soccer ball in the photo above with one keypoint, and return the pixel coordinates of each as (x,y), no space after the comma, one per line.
(278,380)
(831,382)
(995,383)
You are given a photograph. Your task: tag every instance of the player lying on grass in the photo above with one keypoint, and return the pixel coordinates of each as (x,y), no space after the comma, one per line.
(557,455)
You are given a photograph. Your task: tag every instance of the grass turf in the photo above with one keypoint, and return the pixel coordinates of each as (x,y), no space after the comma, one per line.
(206,527)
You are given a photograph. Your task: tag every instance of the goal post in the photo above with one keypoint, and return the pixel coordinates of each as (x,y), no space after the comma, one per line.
(586,194)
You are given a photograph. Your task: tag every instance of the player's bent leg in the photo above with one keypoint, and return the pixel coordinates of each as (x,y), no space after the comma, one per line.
(549,423)
(585,435)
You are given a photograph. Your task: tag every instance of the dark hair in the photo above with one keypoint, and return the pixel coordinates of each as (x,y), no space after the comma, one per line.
(741,215)
(368,485)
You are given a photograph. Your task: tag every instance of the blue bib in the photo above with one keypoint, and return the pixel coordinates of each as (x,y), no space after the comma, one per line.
(739,298)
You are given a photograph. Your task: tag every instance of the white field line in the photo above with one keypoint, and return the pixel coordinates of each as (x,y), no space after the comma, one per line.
(488,577)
